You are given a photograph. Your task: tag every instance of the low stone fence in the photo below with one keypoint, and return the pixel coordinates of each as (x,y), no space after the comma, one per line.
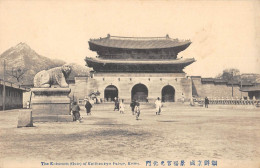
(228,101)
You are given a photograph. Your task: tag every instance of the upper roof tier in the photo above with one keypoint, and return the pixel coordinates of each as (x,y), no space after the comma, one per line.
(139,43)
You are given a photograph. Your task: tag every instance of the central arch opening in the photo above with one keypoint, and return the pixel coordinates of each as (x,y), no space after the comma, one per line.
(139,93)
(168,94)
(111,92)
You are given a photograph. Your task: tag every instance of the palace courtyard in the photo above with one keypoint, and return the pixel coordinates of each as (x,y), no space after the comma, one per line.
(228,135)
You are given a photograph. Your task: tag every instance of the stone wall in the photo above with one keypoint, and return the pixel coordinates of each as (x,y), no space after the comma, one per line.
(215,90)
(184,87)
(126,81)
(79,89)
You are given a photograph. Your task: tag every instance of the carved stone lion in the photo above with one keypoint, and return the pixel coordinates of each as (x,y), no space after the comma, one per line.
(55,77)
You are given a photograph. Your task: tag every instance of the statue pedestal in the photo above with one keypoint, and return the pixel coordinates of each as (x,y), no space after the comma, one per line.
(51,105)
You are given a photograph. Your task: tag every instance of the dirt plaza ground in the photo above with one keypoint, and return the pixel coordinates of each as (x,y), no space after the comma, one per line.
(227,134)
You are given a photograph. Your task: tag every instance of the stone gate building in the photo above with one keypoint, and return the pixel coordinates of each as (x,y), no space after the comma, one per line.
(138,68)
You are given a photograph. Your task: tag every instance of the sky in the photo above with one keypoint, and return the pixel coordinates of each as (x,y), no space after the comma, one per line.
(224,34)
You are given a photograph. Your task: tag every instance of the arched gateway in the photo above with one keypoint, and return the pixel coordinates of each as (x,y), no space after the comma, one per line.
(111,92)
(168,94)
(139,93)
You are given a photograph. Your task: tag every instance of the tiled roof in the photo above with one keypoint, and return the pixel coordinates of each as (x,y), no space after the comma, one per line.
(12,85)
(251,88)
(207,80)
(223,81)
(142,61)
(139,42)
(195,77)
(220,81)
(234,83)
(245,83)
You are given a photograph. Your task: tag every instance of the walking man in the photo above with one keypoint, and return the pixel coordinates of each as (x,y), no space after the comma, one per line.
(132,105)
(88,107)
(75,111)
(206,102)
(182,98)
(116,104)
(121,107)
(158,106)
(137,110)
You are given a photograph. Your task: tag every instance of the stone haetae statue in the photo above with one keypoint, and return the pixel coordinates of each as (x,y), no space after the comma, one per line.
(55,77)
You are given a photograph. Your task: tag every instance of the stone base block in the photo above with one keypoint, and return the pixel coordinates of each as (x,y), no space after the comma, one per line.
(51,109)
(51,105)
(53,118)
(25,118)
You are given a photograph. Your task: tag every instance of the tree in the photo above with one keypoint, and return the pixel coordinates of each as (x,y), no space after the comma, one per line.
(230,74)
(17,73)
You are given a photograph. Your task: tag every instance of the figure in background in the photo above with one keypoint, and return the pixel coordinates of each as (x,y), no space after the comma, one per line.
(206,102)
(116,104)
(158,106)
(182,98)
(91,101)
(132,105)
(88,107)
(85,99)
(27,104)
(122,107)
(192,101)
(75,111)
(137,110)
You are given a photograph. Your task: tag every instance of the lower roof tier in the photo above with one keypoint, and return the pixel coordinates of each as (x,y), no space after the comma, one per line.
(115,65)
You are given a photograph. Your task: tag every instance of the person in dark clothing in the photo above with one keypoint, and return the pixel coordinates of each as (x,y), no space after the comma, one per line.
(75,111)
(116,104)
(132,105)
(88,107)
(206,102)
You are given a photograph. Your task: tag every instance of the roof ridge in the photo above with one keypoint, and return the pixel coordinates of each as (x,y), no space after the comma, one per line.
(164,37)
(167,37)
(124,37)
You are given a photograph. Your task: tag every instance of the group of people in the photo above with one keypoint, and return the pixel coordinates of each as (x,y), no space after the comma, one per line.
(75,110)
(135,107)
(119,105)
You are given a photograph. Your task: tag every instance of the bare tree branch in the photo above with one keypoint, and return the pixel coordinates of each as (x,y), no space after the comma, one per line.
(17,73)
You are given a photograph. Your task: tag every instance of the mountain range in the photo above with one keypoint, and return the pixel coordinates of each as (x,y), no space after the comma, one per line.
(23,61)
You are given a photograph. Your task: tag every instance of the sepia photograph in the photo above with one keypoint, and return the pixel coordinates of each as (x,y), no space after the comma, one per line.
(129,84)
